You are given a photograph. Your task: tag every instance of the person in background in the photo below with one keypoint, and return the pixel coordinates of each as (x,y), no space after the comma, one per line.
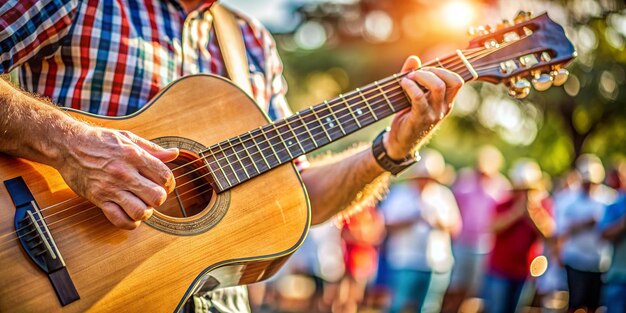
(613,227)
(361,235)
(477,192)
(584,253)
(421,214)
(517,224)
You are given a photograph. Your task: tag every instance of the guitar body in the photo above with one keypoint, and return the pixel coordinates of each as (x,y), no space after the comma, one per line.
(237,237)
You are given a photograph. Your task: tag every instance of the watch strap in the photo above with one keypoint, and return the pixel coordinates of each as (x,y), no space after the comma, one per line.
(395,167)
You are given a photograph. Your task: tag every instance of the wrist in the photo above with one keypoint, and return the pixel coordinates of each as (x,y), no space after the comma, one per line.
(63,138)
(389,163)
(392,152)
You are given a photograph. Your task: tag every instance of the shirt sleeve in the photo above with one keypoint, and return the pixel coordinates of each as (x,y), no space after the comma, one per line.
(32,27)
(613,213)
(400,205)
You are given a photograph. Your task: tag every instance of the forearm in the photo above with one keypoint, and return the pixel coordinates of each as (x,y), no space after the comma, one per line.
(503,221)
(31,128)
(579,226)
(615,231)
(542,221)
(343,181)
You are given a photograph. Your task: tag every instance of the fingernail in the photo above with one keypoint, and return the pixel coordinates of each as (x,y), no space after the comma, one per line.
(147,214)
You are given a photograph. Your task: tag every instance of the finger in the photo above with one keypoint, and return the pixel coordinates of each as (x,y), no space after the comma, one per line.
(434,85)
(165,155)
(156,171)
(411,63)
(115,214)
(150,193)
(416,94)
(152,161)
(453,82)
(133,206)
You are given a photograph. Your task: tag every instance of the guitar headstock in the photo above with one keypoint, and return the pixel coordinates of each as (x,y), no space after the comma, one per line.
(520,52)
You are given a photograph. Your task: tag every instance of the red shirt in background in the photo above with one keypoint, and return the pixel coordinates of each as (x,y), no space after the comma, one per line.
(510,254)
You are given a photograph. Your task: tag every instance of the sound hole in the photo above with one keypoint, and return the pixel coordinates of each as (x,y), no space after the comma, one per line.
(193,191)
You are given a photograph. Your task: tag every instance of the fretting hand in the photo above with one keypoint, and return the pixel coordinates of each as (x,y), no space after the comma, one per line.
(428,108)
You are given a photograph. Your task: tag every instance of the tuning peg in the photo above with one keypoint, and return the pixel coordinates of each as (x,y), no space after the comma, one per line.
(522,16)
(471,31)
(520,89)
(542,82)
(559,76)
(505,23)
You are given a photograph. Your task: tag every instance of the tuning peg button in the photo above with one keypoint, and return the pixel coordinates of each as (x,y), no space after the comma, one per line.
(519,89)
(559,76)
(542,82)
(471,31)
(522,16)
(503,25)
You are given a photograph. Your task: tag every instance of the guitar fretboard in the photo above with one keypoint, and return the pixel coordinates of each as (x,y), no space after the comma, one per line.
(241,158)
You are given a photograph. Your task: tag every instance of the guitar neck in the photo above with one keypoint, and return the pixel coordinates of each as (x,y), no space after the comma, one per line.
(241,158)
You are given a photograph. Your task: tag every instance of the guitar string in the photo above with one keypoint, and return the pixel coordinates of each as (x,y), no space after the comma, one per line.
(235,154)
(477,54)
(378,102)
(392,80)
(171,199)
(90,209)
(470,53)
(367,92)
(61,228)
(194,179)
(94,207)
(200,186)
(270,138)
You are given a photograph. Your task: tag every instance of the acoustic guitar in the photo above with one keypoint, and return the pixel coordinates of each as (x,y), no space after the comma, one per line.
(239,209)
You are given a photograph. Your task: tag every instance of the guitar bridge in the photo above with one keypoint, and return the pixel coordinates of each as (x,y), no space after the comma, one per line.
(37,241)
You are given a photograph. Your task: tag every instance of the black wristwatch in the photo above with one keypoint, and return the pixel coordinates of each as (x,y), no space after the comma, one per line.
(395,167)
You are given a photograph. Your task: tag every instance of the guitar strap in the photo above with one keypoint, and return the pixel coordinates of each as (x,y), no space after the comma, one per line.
(230,41)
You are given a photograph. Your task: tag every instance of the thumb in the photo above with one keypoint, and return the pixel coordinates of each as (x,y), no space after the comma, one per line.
(164,155)
(413,62)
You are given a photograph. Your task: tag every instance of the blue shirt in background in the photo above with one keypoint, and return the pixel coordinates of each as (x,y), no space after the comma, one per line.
(612,214)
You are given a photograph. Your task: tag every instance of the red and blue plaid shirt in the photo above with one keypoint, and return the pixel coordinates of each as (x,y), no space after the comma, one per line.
(110,57)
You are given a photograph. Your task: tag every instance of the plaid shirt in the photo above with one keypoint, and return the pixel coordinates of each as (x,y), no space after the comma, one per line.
(110,57)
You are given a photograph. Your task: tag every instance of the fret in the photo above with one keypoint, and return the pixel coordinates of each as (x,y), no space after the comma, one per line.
(385,96)
(315,126)
(208,163)
(220,167)
(367,104)
(439,62)
(248,154)
(265,147)
(282,140)
(350,109)
(269,143)
(358,108)
(230,164)
(334,116)
(306,127)
(321,124)
(259,150)
(295,136)
(395,76)
(245,171)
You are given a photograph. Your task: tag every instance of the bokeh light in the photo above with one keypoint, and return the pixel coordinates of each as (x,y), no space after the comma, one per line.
(310,35)
(457,14)
(538,266)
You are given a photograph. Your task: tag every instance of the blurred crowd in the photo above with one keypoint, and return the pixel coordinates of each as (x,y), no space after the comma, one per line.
(468,241)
